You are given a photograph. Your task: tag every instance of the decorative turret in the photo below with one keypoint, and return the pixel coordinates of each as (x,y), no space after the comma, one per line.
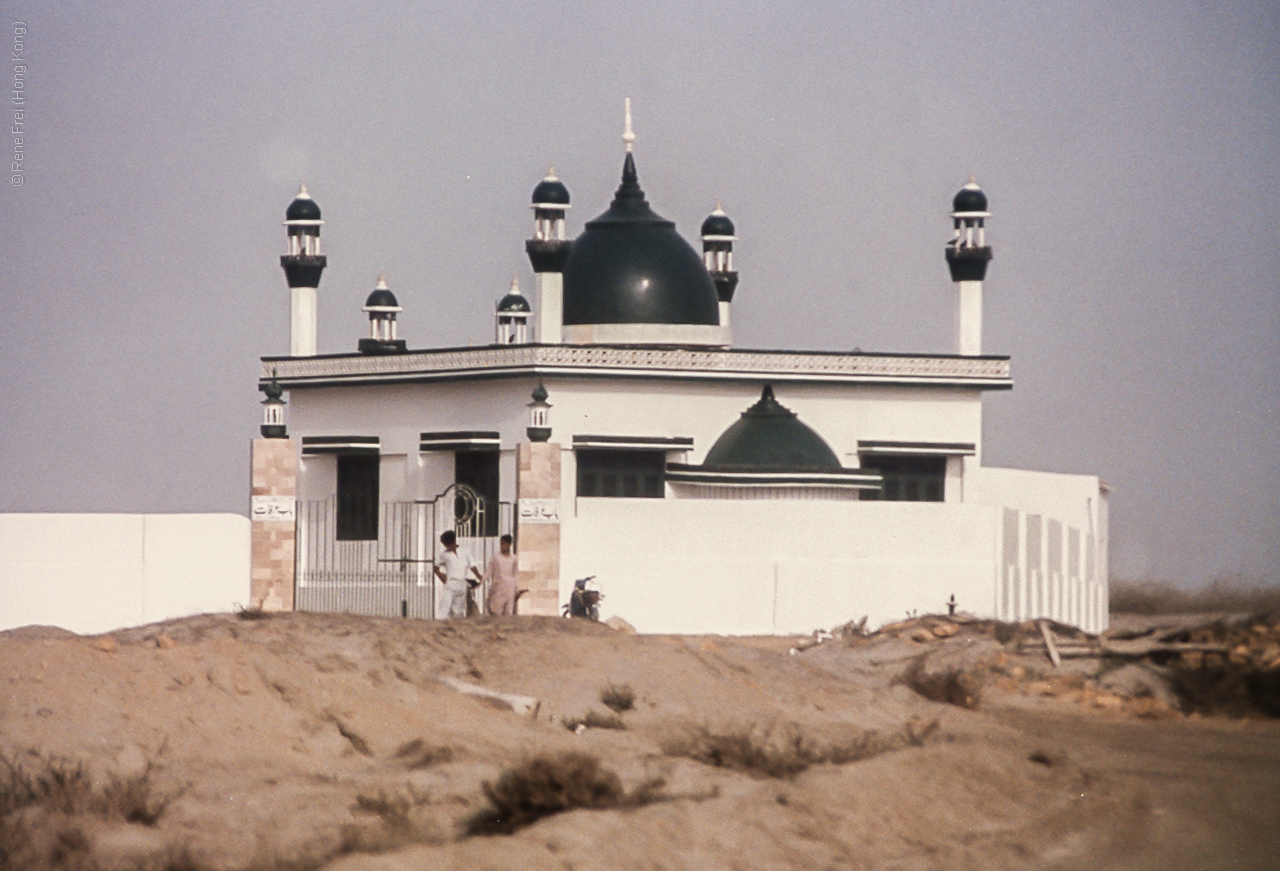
(273,410)
(717,252)
(382,308)
(967,256)
(548,252)
(539,429)
(511,317)
(302,268)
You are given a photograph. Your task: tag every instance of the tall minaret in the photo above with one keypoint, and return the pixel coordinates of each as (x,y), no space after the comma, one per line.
(302,267)
(967,255)
(717,253)
(548,252)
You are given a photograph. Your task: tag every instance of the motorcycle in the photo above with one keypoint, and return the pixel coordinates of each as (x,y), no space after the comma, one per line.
(584,601)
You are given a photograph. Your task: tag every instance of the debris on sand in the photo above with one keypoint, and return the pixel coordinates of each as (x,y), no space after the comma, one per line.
(1150,666)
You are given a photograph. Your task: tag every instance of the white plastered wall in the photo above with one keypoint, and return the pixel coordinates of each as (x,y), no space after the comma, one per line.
(93,573)
(751,567)
(1053,546)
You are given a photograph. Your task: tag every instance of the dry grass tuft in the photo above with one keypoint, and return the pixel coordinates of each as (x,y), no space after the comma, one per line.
(773,752)
(418,754)
(542,786)
(618,698)
(43,803)
(253,612)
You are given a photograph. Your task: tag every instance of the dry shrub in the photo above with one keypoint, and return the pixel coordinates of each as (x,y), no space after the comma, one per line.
(393,810)
(953,686)
(618,698)
(63,786)
(771,752)
(43,801)
(418,754)
(1230,689)
(1237,593)
(253,612)
(595,720)
(542,786)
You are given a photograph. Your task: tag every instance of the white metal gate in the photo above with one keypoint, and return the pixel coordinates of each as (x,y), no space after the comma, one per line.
(392,575)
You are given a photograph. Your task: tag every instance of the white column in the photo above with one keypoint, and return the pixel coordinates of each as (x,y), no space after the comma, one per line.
(969,318)
(302,332)
(550,286)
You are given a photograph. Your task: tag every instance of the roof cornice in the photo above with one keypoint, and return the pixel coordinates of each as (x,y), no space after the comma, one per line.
(649,362)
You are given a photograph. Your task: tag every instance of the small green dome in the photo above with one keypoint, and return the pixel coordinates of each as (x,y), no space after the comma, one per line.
(769,436)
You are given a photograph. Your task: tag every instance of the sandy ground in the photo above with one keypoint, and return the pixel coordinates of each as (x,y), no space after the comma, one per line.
(325,741)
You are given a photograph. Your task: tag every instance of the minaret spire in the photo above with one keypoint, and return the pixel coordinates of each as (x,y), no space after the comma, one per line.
(628,134)
(511,317)
(548,252)
(717,254)
(968,255)
(303,265)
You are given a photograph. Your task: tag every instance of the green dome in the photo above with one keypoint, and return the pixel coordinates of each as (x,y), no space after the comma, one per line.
(630,266)
(769,436)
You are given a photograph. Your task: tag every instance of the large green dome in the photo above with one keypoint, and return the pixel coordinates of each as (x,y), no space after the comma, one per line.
(630,266)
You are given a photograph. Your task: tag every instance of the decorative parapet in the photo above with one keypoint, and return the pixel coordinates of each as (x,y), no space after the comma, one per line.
(623,362)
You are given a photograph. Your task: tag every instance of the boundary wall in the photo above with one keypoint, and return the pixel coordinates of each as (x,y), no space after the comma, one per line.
(93,573)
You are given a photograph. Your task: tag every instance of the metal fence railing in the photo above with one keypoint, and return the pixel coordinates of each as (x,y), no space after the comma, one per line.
(392,575)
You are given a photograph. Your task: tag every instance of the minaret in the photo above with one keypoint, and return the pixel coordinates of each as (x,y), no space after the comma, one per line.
(967,255)
(302,267)
(548,251)
(717,253)
(382,308)
(511,317)
(273,426)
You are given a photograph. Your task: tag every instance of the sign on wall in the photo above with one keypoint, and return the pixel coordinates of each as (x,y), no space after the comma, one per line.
(539,510)
(272,508)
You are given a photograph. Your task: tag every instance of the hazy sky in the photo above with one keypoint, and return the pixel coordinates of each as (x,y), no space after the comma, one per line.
(1131,153)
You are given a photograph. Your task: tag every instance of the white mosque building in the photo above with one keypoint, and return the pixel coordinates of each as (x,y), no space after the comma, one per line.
(612,426)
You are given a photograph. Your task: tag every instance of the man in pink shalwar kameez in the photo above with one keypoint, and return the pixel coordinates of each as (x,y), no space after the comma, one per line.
(502,574)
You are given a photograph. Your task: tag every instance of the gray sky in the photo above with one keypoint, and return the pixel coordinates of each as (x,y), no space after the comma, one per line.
(1131,152)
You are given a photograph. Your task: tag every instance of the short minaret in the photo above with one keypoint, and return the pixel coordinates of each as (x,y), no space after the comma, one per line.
(511,317)
(548,251)
(717,252)
(539,429)
(302,267)
(968,255)
(273,426)
(382,308)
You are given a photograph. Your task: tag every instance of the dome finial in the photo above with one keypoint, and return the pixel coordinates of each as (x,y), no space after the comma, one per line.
(302,192)
(628,134)
(551,174)
(515,284)
(972,183)
(382,280)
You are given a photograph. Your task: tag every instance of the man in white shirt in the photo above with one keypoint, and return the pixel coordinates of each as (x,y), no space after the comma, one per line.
(451,569)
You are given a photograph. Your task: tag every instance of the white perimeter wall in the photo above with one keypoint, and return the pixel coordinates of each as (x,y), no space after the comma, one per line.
(92,573)
(760,567)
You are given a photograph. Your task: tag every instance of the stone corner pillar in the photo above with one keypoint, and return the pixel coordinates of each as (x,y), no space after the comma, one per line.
(273,488)
(538,527)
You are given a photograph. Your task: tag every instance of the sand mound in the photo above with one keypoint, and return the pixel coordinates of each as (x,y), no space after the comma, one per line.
(308,741)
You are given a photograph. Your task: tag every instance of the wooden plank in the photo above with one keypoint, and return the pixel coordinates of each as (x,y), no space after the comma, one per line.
(1048,643)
